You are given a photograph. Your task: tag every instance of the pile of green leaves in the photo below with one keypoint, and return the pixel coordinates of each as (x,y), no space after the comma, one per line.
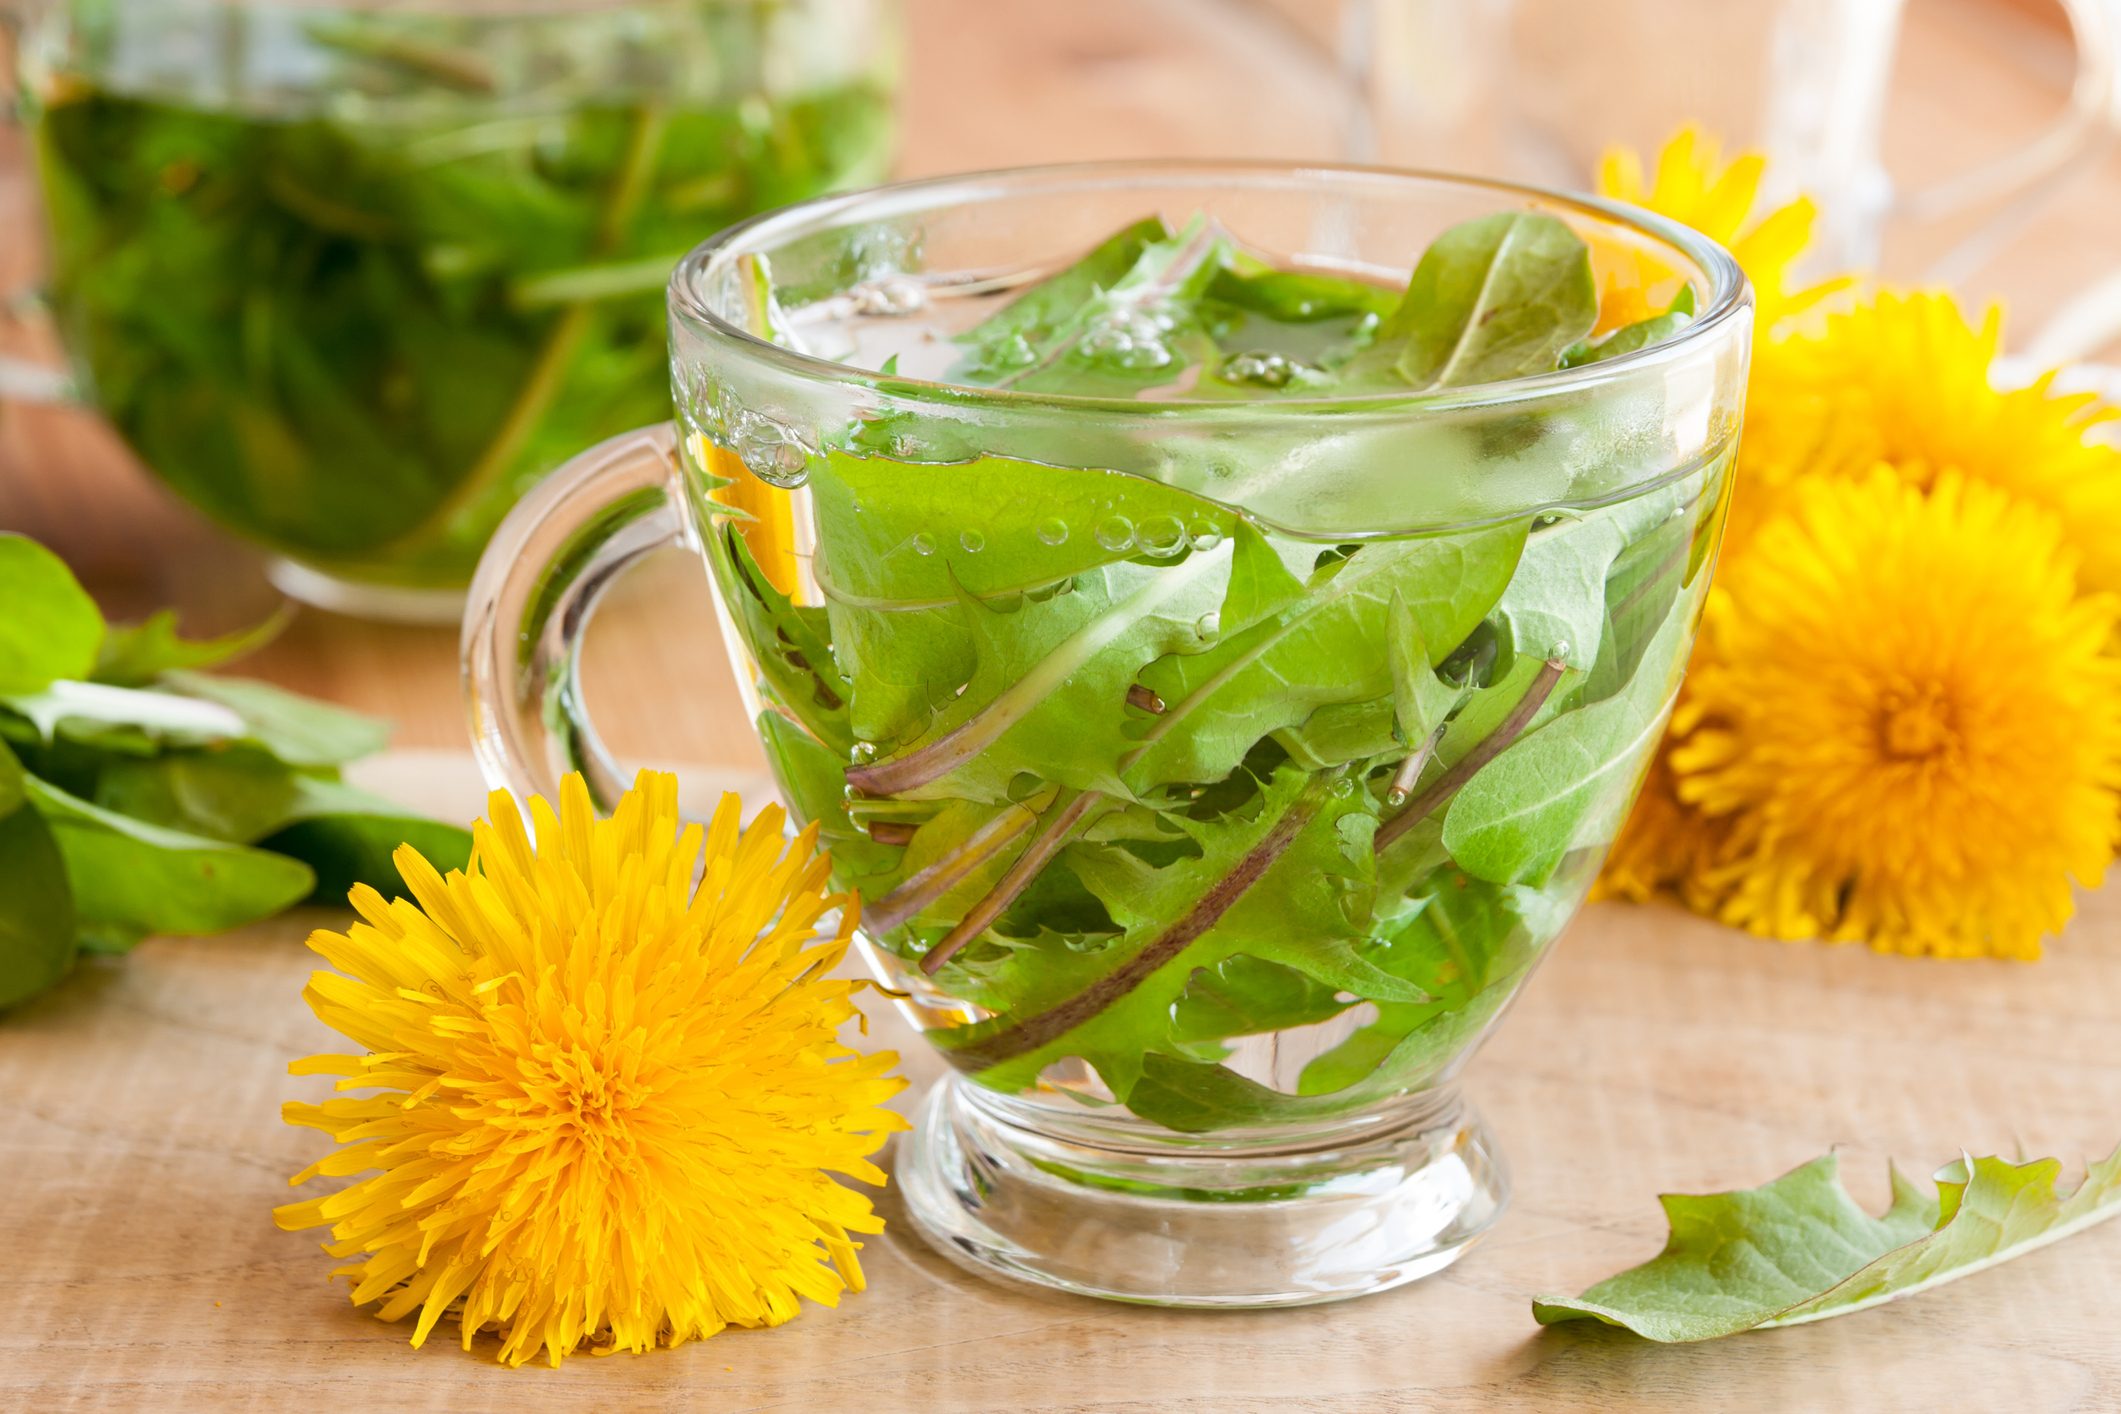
(140,795)
(1138,777)
(356,335)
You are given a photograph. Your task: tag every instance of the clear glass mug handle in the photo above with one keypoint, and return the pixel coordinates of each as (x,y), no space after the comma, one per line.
(23,380)
(2075,137)
(537,586)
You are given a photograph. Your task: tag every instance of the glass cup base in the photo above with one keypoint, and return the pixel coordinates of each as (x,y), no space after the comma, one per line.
(384,603)
(1399,1195)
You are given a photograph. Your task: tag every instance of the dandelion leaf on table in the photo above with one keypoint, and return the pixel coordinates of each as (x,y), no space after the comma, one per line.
(1800,1248)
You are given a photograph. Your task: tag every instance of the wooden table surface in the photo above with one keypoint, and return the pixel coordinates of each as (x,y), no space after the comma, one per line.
(142,1151)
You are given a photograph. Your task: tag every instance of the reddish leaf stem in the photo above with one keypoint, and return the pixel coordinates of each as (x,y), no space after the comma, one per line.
(1491,746)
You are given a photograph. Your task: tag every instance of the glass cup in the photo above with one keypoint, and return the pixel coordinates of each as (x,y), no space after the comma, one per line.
(349,276)
(1141,841)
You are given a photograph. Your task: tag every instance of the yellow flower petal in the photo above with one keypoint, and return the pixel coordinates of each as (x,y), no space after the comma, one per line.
(607,1104)
(1908,380)
(1906,722)
(1696,187)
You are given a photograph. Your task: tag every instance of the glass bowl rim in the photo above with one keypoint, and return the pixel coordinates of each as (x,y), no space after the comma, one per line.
(1730,297)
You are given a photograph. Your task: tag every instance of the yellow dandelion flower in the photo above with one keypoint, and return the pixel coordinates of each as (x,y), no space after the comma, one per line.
(595,1103)
(1908,379)
(1668,848)
(1693,185)
(1907,721)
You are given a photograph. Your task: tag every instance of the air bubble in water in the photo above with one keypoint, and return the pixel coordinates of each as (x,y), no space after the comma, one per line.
(1053,531)
(1012,352)
(1262,370)
(888,298)
(1116,533)
(1131,338)
(972,542)
(862,753)
(923,543)
(1163,536)
(771,452)
(1203,535)
(1208,625)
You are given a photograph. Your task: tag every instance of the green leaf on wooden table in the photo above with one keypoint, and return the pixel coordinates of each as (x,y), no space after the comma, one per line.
(49,627)
(150,798)
(133,655)
(137,721)
(352,838)
(299,731)
(1499,297)
(14,785)
(130,879)
(37,924)
(1800,1249)
(244,796)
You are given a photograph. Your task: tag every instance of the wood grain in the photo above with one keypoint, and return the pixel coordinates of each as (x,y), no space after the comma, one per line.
(143,1154)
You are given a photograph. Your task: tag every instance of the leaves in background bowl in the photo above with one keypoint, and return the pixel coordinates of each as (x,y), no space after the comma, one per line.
(1800,1248)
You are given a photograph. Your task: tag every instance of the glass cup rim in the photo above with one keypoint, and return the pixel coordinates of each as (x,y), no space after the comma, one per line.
(1729,298)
